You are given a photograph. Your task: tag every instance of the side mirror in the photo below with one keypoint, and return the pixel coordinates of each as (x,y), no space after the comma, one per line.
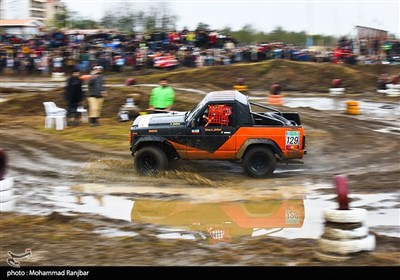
(193,123)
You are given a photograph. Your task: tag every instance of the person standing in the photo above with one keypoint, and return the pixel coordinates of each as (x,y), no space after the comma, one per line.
(74,96)
(96,94)
(162,97)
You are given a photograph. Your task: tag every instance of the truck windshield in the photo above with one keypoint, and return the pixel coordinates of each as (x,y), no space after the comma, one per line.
(194,112)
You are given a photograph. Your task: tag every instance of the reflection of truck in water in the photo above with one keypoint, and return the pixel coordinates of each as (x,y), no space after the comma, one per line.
(225,125)
(217,222)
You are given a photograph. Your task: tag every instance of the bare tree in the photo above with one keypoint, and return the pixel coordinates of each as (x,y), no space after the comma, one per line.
(127,17)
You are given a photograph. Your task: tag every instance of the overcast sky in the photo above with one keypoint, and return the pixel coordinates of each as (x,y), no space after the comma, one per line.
(327,17)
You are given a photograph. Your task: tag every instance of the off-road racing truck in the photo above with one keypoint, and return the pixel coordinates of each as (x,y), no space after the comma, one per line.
(225,125)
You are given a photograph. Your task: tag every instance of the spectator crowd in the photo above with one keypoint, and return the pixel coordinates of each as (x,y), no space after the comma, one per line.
(64,51)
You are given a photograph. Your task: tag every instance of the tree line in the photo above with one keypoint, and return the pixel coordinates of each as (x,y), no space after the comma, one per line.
(159,17)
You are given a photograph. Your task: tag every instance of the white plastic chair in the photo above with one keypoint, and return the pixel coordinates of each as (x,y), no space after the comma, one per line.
(54,116)
(84,114)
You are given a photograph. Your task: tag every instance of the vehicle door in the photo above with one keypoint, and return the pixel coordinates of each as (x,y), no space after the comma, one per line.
(212,136)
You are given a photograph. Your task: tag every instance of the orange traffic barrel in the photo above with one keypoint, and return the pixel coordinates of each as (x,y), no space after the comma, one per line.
(352,108)
(275,99)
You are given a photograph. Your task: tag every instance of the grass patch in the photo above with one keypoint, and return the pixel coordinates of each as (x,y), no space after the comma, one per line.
(111,134)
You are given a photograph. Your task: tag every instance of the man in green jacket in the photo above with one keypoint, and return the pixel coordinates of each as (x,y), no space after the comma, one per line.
(162,97)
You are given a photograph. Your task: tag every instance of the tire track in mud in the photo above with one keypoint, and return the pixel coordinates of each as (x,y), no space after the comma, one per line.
(353,142)
(372,164)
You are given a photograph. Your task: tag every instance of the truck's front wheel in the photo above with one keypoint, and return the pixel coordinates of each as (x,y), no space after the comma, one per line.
(150,160)
(259,162)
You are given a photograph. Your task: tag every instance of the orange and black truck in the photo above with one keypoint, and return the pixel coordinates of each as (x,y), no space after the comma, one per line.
(225,125)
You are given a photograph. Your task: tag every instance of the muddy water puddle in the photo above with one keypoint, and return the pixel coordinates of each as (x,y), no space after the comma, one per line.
(32,86)
(376,109)
(281,211)
(367,108)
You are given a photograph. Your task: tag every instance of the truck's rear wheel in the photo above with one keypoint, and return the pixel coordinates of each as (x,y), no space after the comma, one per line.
(150,160)
(259,162)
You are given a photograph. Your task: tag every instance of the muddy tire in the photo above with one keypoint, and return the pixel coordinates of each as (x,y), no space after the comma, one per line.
(347,246)
(150,160)
(337,234)
(331,258)
(353,215)
(336,91)
(259,162)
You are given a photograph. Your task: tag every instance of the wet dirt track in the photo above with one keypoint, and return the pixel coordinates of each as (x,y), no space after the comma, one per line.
(51,175)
